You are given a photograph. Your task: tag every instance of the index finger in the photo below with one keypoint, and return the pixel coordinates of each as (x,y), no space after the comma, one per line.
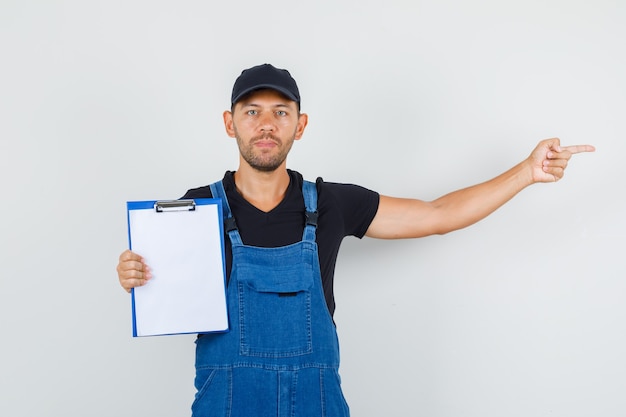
(129,255)
(578,148)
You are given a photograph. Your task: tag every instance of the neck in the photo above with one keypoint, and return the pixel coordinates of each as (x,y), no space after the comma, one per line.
(264,190)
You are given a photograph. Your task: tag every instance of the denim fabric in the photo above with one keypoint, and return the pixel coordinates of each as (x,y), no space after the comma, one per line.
(281,355)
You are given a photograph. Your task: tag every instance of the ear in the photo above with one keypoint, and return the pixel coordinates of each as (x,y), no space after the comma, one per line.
(228,123)
(302,122)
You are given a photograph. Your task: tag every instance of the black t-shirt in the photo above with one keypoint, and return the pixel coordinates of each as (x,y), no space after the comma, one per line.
(343,210)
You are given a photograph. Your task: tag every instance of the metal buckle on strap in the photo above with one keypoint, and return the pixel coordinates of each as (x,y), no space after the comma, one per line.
(230,224)
(311,218)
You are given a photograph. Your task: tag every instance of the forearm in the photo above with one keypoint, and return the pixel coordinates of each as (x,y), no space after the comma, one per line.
(467,206)
(400,218)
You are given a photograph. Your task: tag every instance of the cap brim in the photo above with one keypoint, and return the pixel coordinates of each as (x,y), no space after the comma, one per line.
(281,90)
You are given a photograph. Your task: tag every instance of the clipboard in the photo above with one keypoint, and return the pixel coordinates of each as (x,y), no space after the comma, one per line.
(183,243)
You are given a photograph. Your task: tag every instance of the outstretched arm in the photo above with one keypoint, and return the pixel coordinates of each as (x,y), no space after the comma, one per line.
(399,218)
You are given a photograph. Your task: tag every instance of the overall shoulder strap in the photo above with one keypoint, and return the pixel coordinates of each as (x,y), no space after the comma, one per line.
(309,191)
(230,226)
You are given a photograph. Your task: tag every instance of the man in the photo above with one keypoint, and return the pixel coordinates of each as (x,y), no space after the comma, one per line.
(281,355)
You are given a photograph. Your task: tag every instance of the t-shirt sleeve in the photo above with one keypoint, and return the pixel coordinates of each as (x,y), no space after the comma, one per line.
(200,192)
(357,205)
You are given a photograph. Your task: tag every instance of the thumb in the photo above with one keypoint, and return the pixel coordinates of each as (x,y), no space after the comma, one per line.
(553,144)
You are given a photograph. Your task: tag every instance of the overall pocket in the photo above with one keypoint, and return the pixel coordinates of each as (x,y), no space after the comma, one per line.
(275,310)
(213,396)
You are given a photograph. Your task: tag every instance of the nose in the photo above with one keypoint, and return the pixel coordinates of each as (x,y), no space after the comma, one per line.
(266,123)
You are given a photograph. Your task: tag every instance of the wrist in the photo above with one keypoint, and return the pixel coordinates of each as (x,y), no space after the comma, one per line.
(525,173)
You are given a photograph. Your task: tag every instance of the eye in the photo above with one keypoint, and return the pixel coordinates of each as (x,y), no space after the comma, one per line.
(281,113)
(251,112)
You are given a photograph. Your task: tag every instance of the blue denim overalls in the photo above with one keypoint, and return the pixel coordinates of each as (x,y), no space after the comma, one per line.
(281,355)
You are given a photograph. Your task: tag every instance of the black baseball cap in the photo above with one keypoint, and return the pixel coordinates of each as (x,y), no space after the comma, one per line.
(265,76)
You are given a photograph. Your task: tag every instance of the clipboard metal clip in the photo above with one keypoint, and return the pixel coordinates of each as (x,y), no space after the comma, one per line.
(174,205)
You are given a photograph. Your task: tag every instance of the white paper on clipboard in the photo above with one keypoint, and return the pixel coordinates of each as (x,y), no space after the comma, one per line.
(182,242)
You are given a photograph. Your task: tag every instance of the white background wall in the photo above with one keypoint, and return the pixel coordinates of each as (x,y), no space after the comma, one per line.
(520,315)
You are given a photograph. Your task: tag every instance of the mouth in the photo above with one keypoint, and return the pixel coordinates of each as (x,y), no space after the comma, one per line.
(266,141)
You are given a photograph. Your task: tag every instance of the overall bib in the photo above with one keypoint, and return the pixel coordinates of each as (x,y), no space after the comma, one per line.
(281,355)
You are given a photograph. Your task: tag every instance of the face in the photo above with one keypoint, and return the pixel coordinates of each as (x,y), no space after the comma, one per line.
(265,125)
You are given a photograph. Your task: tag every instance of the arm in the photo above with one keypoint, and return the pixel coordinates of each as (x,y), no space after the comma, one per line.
(399,218)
